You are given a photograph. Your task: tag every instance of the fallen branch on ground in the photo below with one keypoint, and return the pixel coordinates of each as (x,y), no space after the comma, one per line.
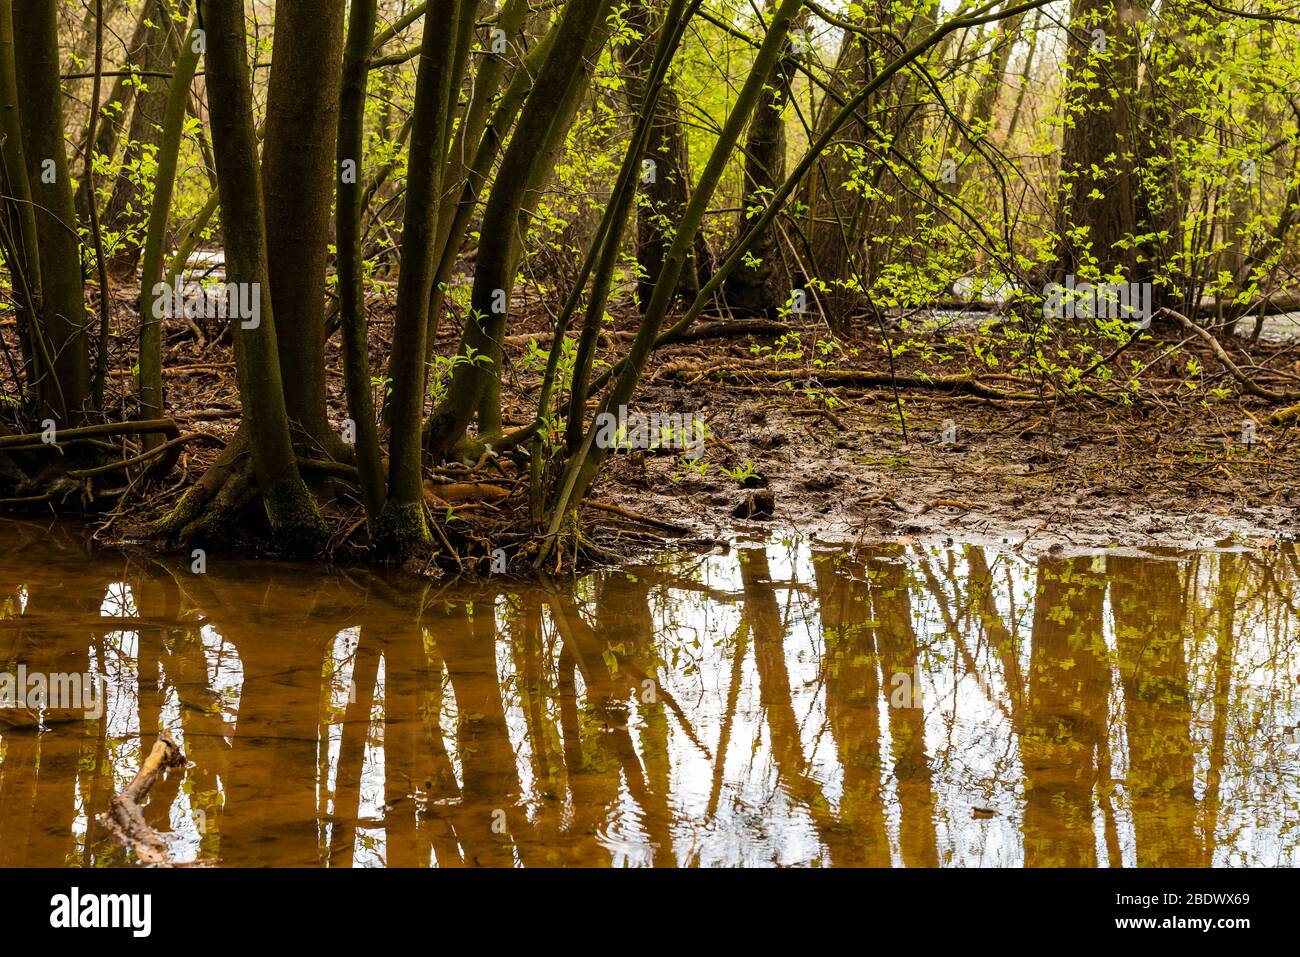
(1247,383)
(36,439)
(718,329)
(169,448)
(638,517)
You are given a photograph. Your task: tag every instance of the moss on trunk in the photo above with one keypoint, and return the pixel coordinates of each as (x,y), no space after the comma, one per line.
(401,530)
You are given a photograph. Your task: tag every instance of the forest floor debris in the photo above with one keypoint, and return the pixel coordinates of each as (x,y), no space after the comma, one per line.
(986,458)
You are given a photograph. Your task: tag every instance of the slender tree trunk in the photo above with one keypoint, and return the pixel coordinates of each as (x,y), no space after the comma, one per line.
(1026,71)
(351,287)
(665,184)
(760,285)
(553,95)
(548,157)
(97,234)
(125,211)
(608,242)
(288,503)
(474,177)
(17,213)
(66,395)
(1006,35)
(401,526)
(830,205)
(152,397)
(1167,125)
(298,153)
(473,148)
(117,106)
(892,206)
(582,467)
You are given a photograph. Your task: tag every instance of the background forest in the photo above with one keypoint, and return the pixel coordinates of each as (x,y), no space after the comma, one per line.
(414,233)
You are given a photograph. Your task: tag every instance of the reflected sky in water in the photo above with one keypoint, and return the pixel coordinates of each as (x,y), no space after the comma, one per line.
(777,705)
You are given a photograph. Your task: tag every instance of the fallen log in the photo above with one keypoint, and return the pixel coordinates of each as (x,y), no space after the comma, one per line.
(451,492)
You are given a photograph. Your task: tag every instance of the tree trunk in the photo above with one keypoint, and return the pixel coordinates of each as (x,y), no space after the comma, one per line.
(288,503)
(553,96)
(1169,98)
(66,395)
(830,206)
(582,468)
(17,214)
(151,379)
(351,287)
(123,95)
(1097,214)
(472,150)
(302,113)
(665,185)
(761,285)
(125,211)
(1006,35)
(401,527)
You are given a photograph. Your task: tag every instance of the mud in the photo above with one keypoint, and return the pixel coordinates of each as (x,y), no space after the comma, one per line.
(1059,477)
(1044,472)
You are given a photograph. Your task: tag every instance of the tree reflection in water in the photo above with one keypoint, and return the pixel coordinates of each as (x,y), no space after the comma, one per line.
(899,706)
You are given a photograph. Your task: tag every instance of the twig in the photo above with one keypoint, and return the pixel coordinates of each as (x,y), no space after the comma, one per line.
(638,517)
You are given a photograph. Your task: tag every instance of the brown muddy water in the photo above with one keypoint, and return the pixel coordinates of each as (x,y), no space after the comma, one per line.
(775,705)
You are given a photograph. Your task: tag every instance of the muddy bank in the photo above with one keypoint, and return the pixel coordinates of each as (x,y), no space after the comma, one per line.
(1057,474)
(806,438)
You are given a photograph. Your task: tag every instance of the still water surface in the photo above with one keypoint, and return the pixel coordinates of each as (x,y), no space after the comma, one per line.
(776,705)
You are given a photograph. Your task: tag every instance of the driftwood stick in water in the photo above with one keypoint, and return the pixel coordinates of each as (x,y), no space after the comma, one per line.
(125,817)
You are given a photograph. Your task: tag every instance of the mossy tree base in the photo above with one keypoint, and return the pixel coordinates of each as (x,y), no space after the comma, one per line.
(215,510)
(296,525)
(401,531)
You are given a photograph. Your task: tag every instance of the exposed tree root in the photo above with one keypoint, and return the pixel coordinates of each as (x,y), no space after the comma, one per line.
(180,523)
(210,511)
